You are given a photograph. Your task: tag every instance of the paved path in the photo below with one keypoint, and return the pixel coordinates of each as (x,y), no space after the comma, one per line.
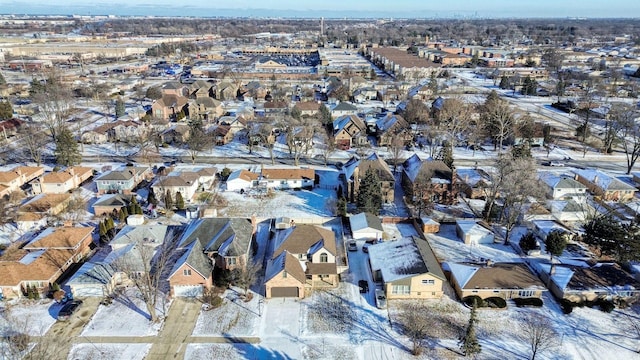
(178,326)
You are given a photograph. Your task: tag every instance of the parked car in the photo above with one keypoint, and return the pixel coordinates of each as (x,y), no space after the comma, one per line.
(365,248)
(364,286)
(381,299)
(352,246)
(68,309)
(556,163)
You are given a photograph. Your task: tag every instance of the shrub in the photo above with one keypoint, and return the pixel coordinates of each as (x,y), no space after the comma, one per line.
(224,174)
(522,302)
(216,302)
(469,300)
(221,278)
(496,302)
(567,306)
(606,306)
(528,242)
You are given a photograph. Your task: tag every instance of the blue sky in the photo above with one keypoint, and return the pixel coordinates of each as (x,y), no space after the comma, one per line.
(351,8)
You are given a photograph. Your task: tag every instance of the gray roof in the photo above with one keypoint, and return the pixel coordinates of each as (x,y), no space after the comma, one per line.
(93,273)
(226,236)
(117,175)
(113,200)
(194,257)
(152,234)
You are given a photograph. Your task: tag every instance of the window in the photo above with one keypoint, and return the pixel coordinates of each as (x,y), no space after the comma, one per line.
(231,261)
(525,293)
(400,290)
(186,272)
(428,282)
(301,256)
(324,258)
(284,274)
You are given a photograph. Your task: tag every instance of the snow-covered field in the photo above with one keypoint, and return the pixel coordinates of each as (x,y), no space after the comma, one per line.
(93,351)
(126,316)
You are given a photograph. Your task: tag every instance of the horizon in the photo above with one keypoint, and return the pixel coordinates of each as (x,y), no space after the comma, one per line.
(331,9)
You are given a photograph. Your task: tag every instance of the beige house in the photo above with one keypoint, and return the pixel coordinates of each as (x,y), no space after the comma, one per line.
(407,268)
(381,168)
(604,185)
(314,248)
(62,181)
(349,130)
(503,280)
(12,180)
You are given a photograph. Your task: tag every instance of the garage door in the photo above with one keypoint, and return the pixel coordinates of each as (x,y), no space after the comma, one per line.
(187,290)
(284,292)
(87,291)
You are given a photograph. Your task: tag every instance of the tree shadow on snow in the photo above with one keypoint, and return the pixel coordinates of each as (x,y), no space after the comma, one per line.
(253,351)
(128,302)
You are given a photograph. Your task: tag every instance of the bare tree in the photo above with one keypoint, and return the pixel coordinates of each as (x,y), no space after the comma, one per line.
(54,102)
(498,118)
(145,266)
(631,324)
(589,100)
(415,324)
(455,119)
(538,332)
(623,121)
(299,140)
(246,275)
(328,146)
(396,148)
(34,141)
(197,142)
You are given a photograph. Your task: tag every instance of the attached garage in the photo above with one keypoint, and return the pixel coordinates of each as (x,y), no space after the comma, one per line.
(284,291)
(94,280)
(188,290)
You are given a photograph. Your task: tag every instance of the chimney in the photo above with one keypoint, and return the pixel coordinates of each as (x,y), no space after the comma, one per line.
(595,179)
(552,271)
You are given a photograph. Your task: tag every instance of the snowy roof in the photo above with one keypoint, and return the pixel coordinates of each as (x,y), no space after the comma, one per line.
(473,227)
(344,106)
(603,180)
(471,177)
(151,234)
(287,262)
(562,275)
(389,121)
(227,236)
(93,273)
(350,167)
(602,276)
(196,259)
(559,182)
(547,226)
(404,258)
(435,170)
(365,220)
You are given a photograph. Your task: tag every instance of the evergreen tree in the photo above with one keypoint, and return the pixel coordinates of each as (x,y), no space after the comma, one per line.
(120,108)
(179,201)
(6,110)
(109,223)
(168,200)
(122,215)
(2,79)
(151,197)
(556,243)
(369,198)
(504,82)
(341,207)
(102,231)
(324,114)
(469,343)
(138,209)
(66,152)
(433,83)
(446,154)
(528,242)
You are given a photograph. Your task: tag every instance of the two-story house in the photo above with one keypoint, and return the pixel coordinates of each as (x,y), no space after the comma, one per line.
(62,181)
(604,185)
(314,250)
(122,181)
(430,180)
(387,181)
(349,130)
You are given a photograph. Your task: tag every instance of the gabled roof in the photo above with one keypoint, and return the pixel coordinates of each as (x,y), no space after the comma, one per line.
(342,121)
(60,237)
(603,180)
(287,262)
(115,200)
(243,175)
(560,182)
(93,273)
(404,258)
(603,276)
(154,235)
(497,276)
(40,265)
(432,169)
(375,163)
(226,236)
(344,106)
(194,257)
(288,174)
(365,220)
(391,121)
(300,239)
(44,202)
(117,175)
(350,166)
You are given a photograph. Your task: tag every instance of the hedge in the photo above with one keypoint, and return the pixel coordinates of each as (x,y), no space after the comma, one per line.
(522,302)
(496,302)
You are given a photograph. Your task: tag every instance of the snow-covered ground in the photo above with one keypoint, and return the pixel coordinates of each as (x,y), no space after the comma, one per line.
(234,318)
(93,351)
(295,204)
(33,318)
(126,316)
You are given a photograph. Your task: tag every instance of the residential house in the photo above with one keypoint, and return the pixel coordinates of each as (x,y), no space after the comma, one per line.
(502,280)
(120,130)
(314,247)
(474,183)
(430,180)
(532,135)
(42,260)
(108,203)
(563,187)
(17,177)
(391,126)
(9,128)
(122,181)
(542,228)
(176,134)
(387,180)
(602,281)
(186,183)
(200,89)
(570,210)
(473,232)
(604,185)
(241,180)
(228,242)
(366,226)
(225,91)
(94,279)
(276,108)
(407,268)
(62,181)
(421,92)
(169,106)
(222,135)
(308,108)
(349,130)
(287,178)
(35,213)
(205,109)
(192,273)
(343,109)
(365,94)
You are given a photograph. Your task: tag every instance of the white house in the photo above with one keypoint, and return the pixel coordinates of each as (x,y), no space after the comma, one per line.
(563,187)
(366,226)
(474,232)
(241,180)
(288,178)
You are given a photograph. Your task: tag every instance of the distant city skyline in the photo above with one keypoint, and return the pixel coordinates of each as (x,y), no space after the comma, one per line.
(335,8)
